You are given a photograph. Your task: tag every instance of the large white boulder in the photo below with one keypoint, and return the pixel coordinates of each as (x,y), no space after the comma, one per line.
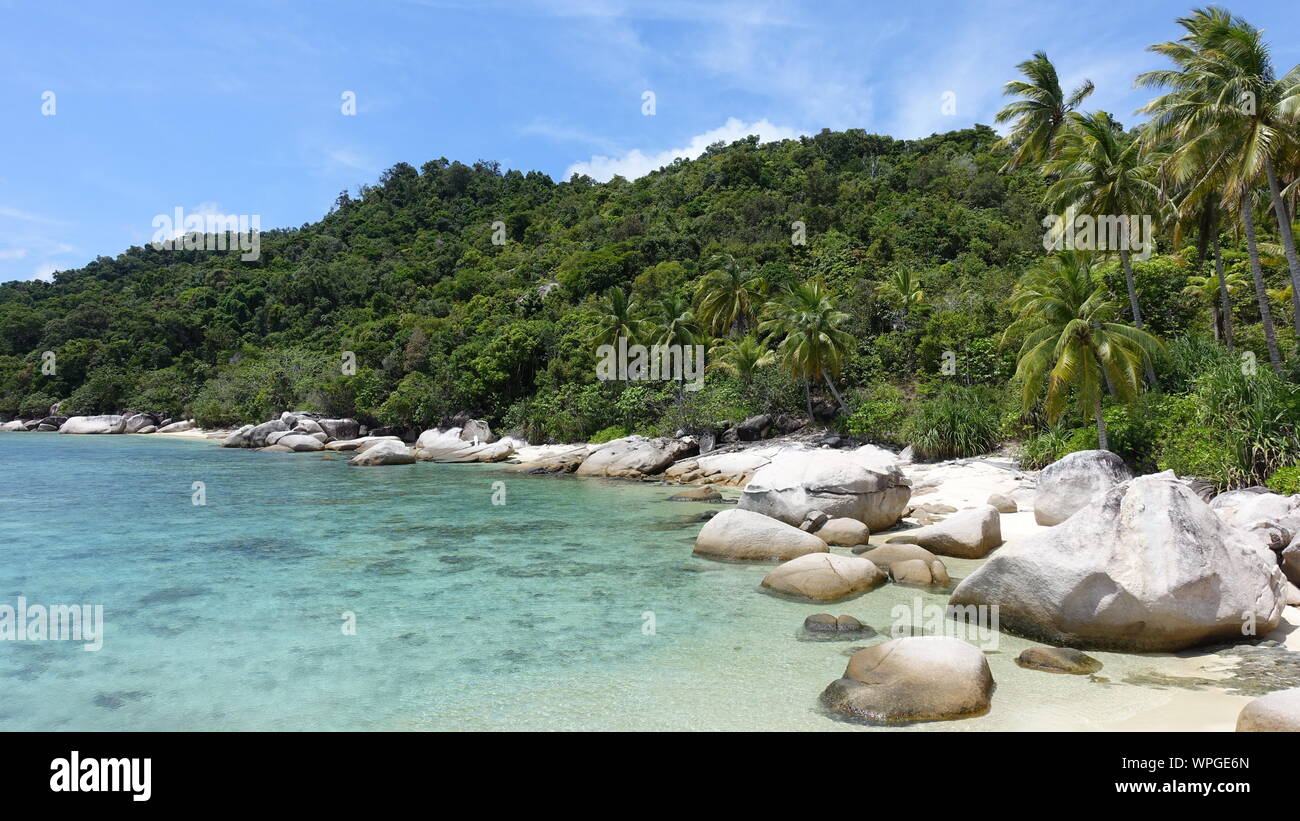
(634,456)
(178,427)
(1145,567)
(1272,518)
(359,444)
(16,424)
(450,446)
(111,423)
(743,535)
(300,443)
(1071,482)
(916,678)
(968,534)
(797,483)
(824,577)
(1276,712)
(385,452)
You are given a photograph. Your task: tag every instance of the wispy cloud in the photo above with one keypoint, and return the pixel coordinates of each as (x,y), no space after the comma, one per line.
(638,163)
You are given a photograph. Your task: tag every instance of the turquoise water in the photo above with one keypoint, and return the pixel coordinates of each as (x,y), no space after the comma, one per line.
(469,615)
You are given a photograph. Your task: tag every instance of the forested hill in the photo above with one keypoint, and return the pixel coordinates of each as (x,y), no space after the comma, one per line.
(912,251)
(406,276)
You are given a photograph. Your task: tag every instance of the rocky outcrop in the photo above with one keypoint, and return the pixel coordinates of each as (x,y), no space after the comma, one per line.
(1070,483)
(1147,566)
(741,535)
(916,678)
(1290,558)
(824,577)
(843,532)
(729,469)
(135,422)
(178,427)
(1277,712)
(15,425)
(633,457)
(340,428)
(384,452)
(111,423)
(452,446)
(562,460)
(300,443)
(257,437)
(796,483)
(969,534)
(359,444)
(1271,518)
(238,438)
(476,430)
(1058,660)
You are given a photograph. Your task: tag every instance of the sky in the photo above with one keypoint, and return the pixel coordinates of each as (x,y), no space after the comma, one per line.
(112,114)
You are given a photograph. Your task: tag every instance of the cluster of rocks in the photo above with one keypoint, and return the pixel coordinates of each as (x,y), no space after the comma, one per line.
(129,422)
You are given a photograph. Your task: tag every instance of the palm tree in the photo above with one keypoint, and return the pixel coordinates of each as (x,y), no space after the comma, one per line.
(1072,341)
(1207,291)
(741,357)
(1101,173)
(727,296)
(812,345)
(1232,122)
(617,318)
(902,289)
(1039,113)
(672,322)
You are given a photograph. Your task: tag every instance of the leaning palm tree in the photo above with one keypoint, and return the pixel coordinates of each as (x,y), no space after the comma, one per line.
(812,346)
(741,357)
(1206,291)
(1233,122)
(728,295)
(617,317)
(1103,174)
(1040,112)
(1072,342)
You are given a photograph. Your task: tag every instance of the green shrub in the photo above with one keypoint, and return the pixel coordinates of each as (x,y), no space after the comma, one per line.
(958,422)
(880,414)
(608,434)
(1045,447)
(1285,480)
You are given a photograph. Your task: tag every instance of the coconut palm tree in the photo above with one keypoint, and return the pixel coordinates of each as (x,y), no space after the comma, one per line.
(741,357)
(812,346)
(728,295)
(1205,290)
(1103,174)
(1040,112)
(617,317)
(1071,341)
(672,322)
(1232,121)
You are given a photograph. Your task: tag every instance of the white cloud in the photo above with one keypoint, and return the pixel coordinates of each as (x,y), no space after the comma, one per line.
(638,163)
(46,272)
(13,253)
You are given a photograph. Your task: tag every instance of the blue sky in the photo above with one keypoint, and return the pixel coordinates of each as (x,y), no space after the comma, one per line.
(235,107)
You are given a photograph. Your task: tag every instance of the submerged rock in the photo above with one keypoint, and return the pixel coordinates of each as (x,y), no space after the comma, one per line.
(920,572)
(707,493)
(822,623)
(915,678)
(1070,483)
(824,577)
(970,534)
(1277,712)
(1058,660)
(796,483)
(743,535)
(1145,567)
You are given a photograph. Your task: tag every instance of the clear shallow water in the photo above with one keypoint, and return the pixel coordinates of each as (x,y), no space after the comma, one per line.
(469,615)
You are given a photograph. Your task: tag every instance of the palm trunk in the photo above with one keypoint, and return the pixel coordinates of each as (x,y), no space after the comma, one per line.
(1137,311)
(843,407)
(807,397)
(1265,315)
(1288,241)
(1102,441)
(1223,295)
